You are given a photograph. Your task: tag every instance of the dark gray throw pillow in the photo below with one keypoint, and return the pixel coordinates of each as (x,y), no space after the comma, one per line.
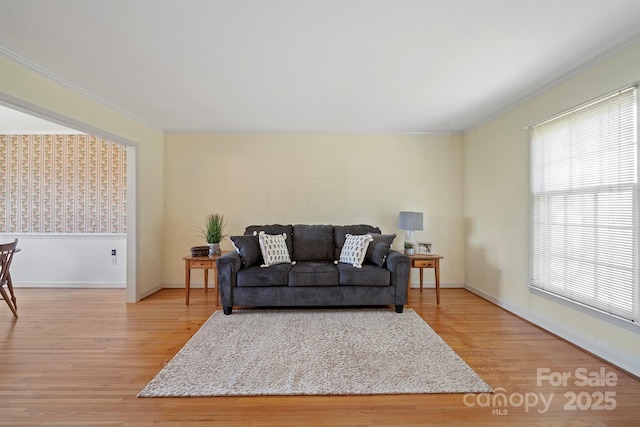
(378,249)
(248,247)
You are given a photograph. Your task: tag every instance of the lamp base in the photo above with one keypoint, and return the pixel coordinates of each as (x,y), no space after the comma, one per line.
(409,243)
(410,237)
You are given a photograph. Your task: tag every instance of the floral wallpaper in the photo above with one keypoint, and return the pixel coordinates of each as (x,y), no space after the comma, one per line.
(62,184)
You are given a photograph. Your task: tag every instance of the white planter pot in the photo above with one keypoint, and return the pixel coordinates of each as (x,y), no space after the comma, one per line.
(214,249)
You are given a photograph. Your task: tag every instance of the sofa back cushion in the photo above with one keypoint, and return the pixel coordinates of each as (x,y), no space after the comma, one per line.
(313,243)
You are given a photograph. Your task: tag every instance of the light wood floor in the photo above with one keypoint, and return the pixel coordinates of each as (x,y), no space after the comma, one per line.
(79,357)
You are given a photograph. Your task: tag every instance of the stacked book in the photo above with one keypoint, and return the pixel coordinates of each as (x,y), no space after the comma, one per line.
(200,251)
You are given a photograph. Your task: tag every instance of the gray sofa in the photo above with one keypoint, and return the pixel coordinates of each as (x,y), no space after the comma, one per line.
(314,277)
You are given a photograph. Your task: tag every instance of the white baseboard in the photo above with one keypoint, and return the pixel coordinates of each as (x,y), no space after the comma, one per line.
(75,285)
(623,362)
(432,285)
(151,292)
(182,286)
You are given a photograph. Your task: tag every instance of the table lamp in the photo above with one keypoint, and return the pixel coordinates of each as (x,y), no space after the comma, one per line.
(410,221)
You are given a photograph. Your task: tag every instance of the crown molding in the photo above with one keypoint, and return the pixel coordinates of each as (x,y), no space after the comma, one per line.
(69,85)
(546,86)
(314,133)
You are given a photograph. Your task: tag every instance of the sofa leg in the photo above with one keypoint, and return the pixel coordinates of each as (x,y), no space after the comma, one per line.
(399,308)
(227,310)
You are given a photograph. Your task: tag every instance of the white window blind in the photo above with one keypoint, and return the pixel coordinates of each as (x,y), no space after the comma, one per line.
(584,205)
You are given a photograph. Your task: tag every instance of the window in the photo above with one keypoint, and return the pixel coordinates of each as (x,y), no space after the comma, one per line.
(584,205)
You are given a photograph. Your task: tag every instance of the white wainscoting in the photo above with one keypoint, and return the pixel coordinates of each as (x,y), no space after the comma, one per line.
(68,260)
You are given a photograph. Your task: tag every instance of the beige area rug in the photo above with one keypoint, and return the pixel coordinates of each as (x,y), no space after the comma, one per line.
(314,352)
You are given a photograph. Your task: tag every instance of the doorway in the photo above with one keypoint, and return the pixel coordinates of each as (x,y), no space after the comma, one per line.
(16,119)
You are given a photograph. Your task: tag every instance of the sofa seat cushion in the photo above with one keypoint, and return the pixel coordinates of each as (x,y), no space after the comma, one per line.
(368,275)
(313,274)
(275,275)
(313,243)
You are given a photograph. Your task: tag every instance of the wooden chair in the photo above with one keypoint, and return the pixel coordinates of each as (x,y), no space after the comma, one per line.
(6,255)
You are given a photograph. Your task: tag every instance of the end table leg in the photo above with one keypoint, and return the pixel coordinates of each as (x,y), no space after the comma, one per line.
(438,282)
(187,280)
(206,280)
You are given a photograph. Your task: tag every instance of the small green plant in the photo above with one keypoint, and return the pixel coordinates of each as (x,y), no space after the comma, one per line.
(409,245)
(213,231)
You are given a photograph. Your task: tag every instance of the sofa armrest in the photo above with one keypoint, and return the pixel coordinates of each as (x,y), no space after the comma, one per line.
(228,266)
(399,265)
(395,259)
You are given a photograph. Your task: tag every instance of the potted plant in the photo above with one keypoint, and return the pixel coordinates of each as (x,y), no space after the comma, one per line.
(213,232)
(409,248)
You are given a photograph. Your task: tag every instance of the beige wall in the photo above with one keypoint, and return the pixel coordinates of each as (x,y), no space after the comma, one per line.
(496,206)
(313,179)
(25,88)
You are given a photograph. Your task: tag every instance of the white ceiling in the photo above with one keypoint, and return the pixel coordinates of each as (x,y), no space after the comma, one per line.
(312,66)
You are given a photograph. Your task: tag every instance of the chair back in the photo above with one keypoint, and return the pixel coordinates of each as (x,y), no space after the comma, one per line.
(6,256)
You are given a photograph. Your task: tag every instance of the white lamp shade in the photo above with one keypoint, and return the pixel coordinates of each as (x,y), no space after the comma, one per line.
(410,221)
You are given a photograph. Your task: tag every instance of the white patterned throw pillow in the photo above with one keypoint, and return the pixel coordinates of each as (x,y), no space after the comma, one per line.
(354,249)
(274,249)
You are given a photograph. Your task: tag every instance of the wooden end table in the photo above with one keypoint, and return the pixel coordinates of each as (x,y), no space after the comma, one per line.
(205,263)
(426,261)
